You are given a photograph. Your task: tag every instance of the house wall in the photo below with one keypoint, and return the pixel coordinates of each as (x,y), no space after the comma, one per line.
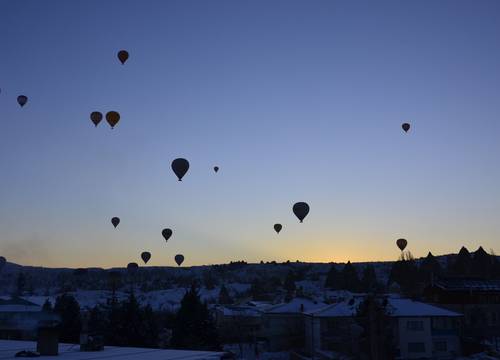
(283,331)
(436,338)
(414,337)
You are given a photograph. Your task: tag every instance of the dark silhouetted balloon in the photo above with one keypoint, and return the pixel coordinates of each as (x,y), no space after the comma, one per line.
(179,259)
(145,256)
(216,168)
(406,127)
(112,118)
(96,117)
(123,56)
(115,221)
(2,262)
(277,228)
(167,233)
(22,100)
(180,167)
(301,209)
(132,267)
(401,243)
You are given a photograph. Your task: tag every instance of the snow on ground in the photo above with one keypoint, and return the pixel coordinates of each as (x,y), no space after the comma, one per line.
(166,300)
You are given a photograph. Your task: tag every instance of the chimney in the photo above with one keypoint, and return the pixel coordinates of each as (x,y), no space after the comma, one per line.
(48,338)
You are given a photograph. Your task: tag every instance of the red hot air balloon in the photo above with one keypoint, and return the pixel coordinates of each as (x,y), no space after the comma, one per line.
(406,127)
(167,233)
(277,228)
(115,221)
(180,167)
(112,118)
(22,100)
(301,209)
(179,259)
(96,117)
(122,56)
(401,243)
(145,256)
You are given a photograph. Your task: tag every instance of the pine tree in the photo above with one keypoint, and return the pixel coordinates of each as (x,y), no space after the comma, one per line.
(369,279)
(405,273)
(429,268)
(20,284)
(193,327)
(69,310)
(350,278)
(289,283)
(482,264)
(333,279)
(377,339)
(462,264)
(47,306)
(224,297)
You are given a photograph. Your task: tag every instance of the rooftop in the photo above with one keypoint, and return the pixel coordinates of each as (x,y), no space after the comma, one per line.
(396,307)
(461,284)
(297,305)
(8,349)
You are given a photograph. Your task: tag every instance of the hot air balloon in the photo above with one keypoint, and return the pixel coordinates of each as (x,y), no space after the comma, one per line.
(277,228)
(123,56)
(216,168)
(112,118)
(2,262)
(180,167)
(301,209)
(22,100)
(167,233)
(401,243)
(179,259)
(145,256)
(406,127)
(115,221)
(96,117)
(132,267)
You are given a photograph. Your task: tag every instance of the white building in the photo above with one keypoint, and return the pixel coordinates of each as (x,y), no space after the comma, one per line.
(420,330)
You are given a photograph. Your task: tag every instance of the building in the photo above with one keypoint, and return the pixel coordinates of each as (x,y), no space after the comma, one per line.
(9,348)
(420,330)
(238,323)
(284,324)
(19,318)
(477,299)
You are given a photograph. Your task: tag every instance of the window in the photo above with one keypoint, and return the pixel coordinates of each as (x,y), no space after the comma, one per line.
(416,347)
(440,346)
(415,325)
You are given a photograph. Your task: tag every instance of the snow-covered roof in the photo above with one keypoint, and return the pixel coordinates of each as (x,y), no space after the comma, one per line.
(460,284)
(345,308)
(296,305)
(250,311)
(8,348)
(397,307)
(20,308)
(410,308)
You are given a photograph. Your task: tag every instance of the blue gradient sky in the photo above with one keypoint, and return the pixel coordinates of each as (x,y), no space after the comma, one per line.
(294,100)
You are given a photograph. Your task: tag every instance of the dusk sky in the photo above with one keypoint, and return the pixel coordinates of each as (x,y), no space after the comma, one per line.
(293,100)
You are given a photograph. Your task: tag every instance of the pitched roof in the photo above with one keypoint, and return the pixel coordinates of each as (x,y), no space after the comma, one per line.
(410,308)
(397,307)
(463,284)
(297,305)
